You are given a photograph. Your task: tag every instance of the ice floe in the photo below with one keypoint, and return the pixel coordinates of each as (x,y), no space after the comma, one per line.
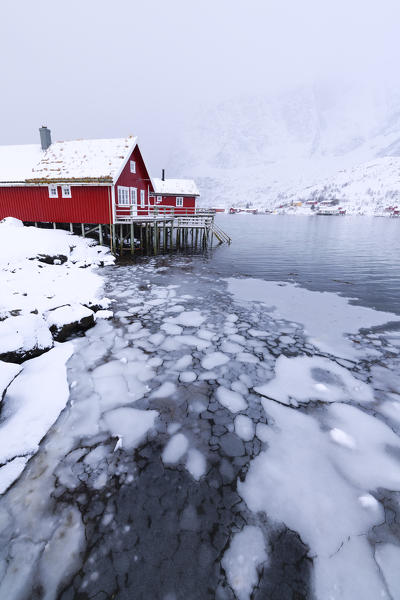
(246,553)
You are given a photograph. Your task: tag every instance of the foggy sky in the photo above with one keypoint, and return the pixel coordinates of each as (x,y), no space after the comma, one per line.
(109,68)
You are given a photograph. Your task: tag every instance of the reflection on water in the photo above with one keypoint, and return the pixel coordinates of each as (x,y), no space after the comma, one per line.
(355,256)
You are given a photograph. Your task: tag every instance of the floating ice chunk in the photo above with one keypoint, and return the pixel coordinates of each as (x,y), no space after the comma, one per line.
(206,334)
(245,554)
(173,428)
(368,501)
(165,390)
(155,362)
(388,558)
(208,375)
(171,328)
(298,380)
(187,376)
(184,362)
(244,428)
(175,449)
(231,400)
(190,318)
(156,339)
(214,359)
(342,438)
(130,424)
(196,463)
(191,340)
(232,318)
(176,309)
(231,347)
(239,386)
(258,333)
(246,357)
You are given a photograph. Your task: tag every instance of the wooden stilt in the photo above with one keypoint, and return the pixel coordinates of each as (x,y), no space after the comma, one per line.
(83,229)
(113,239)
(121,238)
(100,235)
(71,228)
(132,239)
(54,226)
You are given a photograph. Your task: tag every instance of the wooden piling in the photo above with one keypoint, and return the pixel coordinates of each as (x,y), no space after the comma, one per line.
(100,235)
(132,239)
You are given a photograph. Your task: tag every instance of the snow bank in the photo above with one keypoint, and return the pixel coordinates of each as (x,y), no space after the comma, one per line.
(31,405)
(43,285)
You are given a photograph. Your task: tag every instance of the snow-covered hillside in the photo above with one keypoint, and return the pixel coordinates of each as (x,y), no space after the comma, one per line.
(261,150)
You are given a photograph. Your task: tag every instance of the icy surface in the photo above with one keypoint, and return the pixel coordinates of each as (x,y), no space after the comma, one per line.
(326,316)
(245,554)
(167,448)
(304,379)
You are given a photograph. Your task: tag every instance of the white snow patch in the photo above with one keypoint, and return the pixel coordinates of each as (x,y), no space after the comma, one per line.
(130,424)
(244,428)
(298,380)
(175,449)
(233,401)
(245,554)
(196,463)
(213,360)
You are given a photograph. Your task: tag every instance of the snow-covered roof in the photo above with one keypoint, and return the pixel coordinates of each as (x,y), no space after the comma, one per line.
(77,160)
(186,187)
(16,162)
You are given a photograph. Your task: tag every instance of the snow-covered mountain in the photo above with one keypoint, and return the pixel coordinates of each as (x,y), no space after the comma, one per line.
(310,140)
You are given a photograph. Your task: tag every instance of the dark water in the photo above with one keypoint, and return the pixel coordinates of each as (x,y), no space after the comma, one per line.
(358,257)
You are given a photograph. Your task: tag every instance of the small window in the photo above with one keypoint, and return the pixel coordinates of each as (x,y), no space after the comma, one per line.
(133,166)
(142,198)
(66,191)
(179,201)
(123,196)
(133,196)
(159,199)
(53,191)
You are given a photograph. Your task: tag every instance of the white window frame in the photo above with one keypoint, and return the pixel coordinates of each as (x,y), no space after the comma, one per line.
(133,196)
(132,166)
(53,190)
(142,198)
(123,196)
(179,201)
(158,199)
(66,191)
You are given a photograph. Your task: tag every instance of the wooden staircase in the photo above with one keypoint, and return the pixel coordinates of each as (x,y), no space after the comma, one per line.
(220,234)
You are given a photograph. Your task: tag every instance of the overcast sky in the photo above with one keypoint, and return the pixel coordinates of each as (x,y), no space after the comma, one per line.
(108,68)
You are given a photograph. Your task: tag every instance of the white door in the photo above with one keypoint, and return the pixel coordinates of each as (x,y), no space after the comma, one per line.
(133,202)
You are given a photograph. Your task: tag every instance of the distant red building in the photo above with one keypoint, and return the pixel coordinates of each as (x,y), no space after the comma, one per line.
(102,181)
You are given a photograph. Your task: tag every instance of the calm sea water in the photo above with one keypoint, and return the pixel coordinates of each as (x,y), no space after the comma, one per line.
(358,257)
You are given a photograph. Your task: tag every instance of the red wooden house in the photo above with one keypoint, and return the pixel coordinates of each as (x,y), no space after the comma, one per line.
(174,195)
(101,181)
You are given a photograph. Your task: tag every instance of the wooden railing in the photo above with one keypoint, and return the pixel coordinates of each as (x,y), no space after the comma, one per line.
(125,214)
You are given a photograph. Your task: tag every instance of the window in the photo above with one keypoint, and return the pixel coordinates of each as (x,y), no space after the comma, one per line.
(132,164)
(53,191)
(159,199)
(134,196)
(179,201)
(66,191)
(123,196)
(142,198)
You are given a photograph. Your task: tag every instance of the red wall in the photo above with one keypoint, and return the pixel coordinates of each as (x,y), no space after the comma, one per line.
(89,204)
(140,180)
(189,204)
